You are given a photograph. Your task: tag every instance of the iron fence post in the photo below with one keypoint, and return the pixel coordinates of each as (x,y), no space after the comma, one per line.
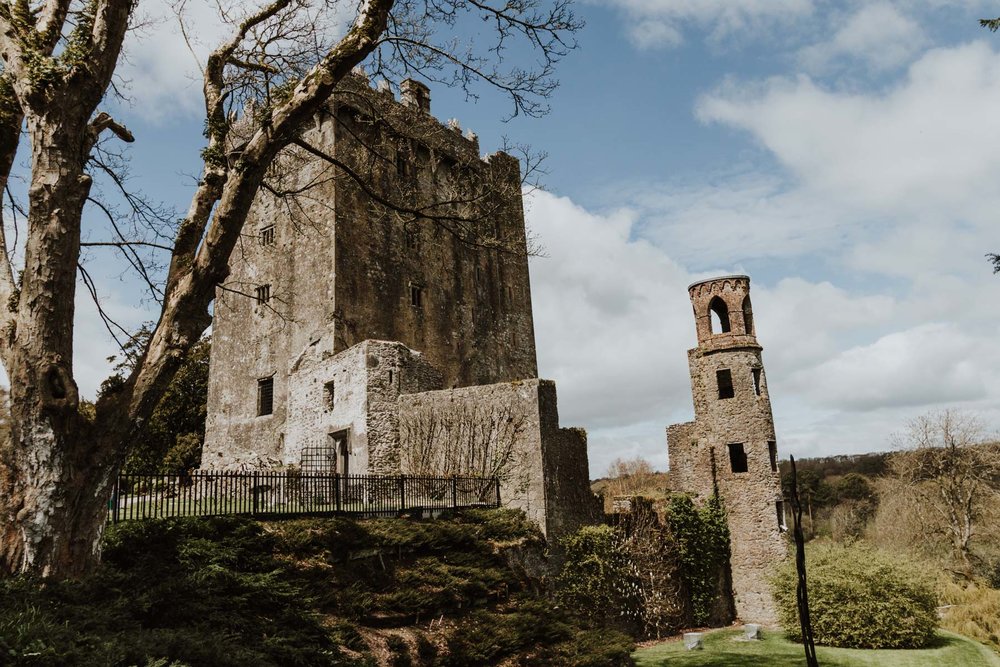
(496,480)
(454,491)
(253,490)
(114,498)
(336,492)
(402,492)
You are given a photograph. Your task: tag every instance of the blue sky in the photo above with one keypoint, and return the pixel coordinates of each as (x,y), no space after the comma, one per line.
(844,154)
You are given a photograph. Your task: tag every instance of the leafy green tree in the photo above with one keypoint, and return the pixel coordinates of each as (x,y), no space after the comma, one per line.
(172,441)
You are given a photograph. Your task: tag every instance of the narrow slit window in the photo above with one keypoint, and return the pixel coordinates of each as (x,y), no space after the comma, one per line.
(263,294)
(772,452)
(412,239)
(390,378)
(779,508)
(400,162)
(265,396)
(737,457)
(724,378)
(329,394)
(267,236)
(756,373)
(416,296)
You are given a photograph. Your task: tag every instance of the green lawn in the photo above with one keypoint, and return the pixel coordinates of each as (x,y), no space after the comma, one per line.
(723,649)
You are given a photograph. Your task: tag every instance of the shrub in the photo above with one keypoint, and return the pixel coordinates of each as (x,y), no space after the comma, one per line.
(534,632)
(859,597)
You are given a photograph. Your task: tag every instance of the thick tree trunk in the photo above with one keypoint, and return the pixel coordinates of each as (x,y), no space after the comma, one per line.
(54,478)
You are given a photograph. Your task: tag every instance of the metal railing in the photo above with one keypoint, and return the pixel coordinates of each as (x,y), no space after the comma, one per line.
(292,493)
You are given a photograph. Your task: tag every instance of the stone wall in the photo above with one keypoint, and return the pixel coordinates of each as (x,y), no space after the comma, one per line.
(366,380)
(510,430)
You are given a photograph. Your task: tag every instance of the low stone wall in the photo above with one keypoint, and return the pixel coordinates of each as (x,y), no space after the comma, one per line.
(509,430)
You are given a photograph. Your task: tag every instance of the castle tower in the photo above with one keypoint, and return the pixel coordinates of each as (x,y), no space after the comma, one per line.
(731,443)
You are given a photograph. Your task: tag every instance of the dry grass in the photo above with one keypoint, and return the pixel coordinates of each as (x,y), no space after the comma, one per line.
(973,611)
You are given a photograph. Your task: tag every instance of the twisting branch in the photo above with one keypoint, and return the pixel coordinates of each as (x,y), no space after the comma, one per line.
(109,323)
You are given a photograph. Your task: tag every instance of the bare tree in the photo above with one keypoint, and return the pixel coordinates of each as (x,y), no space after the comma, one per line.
(947,478)
(470,439)
(262,87)
(629,477)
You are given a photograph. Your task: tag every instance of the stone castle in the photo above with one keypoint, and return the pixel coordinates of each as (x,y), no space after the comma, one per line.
(730,447)
(357,338)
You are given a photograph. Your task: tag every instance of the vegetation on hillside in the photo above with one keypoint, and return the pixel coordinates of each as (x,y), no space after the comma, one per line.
(229,591)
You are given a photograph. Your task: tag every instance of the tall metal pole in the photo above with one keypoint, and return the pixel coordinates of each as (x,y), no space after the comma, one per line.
(801,593)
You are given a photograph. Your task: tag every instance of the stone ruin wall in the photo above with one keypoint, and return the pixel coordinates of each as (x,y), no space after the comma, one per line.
(545,473)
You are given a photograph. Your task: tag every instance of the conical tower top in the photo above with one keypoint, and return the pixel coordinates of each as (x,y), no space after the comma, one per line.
(722,313)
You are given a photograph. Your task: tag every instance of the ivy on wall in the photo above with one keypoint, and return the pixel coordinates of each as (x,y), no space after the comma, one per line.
(701,536)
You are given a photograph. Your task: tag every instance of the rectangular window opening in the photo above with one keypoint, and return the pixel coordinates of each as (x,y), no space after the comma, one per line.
(779,507)
(416,296)
(772,452)
(265,396)
(263,294)
(724,378)
(737,457)
(329,394)
(756,380)
(390,378)
(267,236)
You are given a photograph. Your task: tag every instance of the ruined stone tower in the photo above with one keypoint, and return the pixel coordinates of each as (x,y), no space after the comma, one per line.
(731,444)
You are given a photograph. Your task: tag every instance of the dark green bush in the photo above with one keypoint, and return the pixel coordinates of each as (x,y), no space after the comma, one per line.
(859,597)
(534,632)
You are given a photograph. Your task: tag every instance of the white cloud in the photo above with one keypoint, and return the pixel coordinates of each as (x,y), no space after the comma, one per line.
(161,69)
(162,74)
(661,23)
(877,35)
(925,147)
(92,344)
(929,365)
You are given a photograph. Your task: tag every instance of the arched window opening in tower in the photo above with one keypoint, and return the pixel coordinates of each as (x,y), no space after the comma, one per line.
(757,375)
(747,315)
(724,379)
(737,457)
(719,314)
(772,452)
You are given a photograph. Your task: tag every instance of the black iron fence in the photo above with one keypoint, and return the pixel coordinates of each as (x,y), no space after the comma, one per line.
(294,493)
